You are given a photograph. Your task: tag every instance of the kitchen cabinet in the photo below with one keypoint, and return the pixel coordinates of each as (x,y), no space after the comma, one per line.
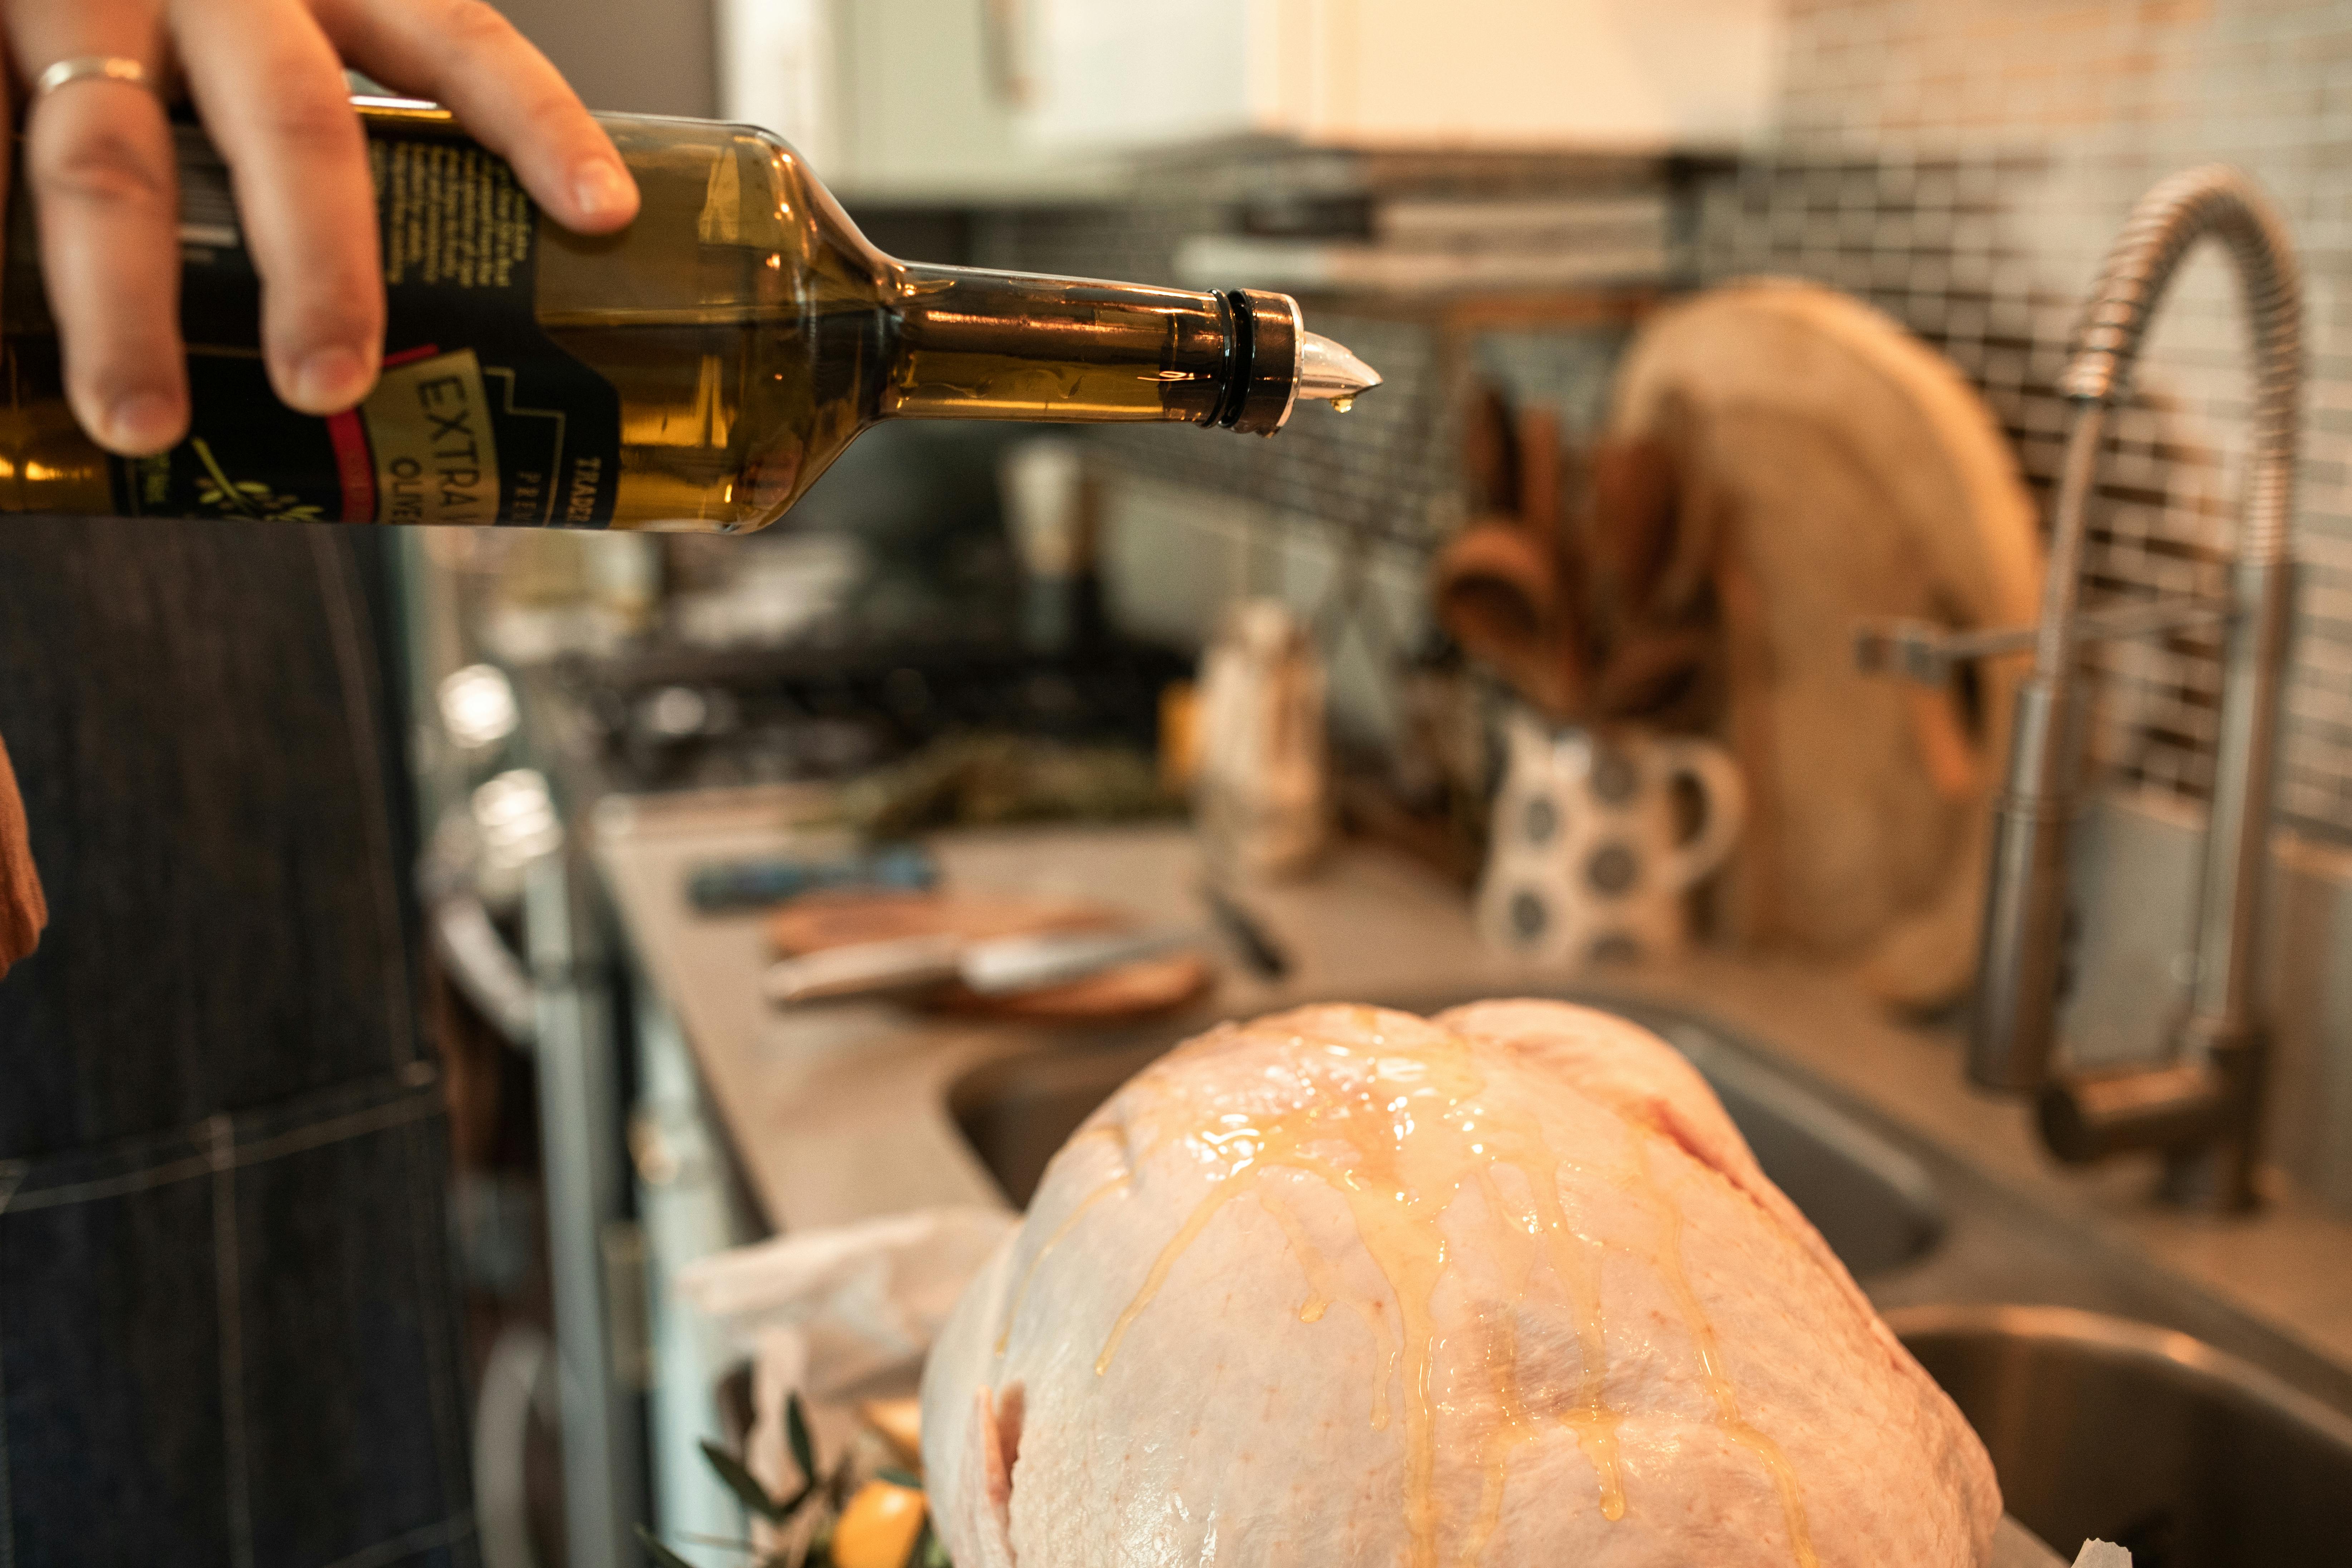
(1638,74)
(977,101)
(897,103)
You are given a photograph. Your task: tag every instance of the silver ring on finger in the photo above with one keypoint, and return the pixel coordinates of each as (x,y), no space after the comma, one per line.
(93,68)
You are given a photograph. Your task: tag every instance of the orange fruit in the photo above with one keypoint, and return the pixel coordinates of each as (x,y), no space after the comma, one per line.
(879,1528)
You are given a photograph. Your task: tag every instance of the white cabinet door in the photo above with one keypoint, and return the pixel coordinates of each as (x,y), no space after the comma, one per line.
(980,101)
(1139,73)
(775,70)
(1637,74)
(893,100)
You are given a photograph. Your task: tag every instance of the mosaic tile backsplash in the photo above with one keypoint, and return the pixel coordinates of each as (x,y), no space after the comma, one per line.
(1962,165)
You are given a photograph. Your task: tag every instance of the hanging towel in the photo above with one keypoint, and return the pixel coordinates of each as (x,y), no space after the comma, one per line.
(23,910)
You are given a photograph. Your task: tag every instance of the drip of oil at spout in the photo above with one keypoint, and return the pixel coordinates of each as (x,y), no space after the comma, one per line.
(1118,1183)
(1710,1358)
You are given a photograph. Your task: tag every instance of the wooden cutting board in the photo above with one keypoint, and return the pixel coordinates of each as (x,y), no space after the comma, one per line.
(1134,990)
(1831,469)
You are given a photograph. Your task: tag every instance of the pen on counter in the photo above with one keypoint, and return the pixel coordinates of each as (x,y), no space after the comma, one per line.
(729,885)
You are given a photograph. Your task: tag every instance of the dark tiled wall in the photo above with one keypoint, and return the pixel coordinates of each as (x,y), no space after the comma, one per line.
(1383,468)
(1339,513)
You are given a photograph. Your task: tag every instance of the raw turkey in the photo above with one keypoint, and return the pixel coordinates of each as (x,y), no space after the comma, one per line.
(1345,1285)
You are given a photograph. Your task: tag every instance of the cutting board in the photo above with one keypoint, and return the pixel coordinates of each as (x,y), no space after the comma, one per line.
(1831,469)
(1145,987)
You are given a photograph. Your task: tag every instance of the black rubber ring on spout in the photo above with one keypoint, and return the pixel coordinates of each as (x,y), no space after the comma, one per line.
(1237,360)
(1266,338)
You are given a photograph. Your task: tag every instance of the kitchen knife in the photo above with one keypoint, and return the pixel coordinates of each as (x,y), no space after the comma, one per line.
(1001,967)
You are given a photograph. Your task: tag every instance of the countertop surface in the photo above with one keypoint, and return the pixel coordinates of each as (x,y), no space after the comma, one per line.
(840,1113)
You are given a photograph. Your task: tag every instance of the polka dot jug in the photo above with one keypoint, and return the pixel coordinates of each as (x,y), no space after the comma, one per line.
(1587,862)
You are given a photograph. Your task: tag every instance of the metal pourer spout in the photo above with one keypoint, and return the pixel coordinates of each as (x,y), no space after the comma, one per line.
(1328,372)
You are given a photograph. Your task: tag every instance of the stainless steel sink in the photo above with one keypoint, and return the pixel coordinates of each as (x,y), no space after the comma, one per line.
(1874,1204)
(2103,1427)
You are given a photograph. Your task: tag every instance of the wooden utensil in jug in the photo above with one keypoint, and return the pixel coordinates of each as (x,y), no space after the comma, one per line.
(1504,585)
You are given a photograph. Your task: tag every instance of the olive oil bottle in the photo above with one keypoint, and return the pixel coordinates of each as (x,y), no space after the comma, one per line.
(696,370)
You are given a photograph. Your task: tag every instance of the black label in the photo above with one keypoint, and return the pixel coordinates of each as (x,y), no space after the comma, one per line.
(480,418)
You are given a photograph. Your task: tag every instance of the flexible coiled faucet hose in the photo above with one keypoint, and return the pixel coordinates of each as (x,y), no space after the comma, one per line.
(2013,1030)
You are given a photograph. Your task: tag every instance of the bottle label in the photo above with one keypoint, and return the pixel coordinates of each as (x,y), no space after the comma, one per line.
(478,418)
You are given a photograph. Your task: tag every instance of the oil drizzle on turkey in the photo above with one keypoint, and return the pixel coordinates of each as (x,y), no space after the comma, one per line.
(1118,1183)
(1514,1423)
(1409,1117)
(1701,1328)
(1323,1288)
(1320,1286)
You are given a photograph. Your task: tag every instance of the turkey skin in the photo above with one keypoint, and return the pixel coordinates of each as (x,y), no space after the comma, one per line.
(1504,1287)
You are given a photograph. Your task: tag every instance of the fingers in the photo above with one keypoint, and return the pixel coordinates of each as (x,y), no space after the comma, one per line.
(97,157)
(270,90)
(268,81)
(463,54)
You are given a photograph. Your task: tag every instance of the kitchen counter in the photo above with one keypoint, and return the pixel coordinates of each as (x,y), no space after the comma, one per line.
(839,1113)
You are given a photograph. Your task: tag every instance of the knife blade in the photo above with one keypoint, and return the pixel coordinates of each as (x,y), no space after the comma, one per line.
(1016,963)
(1000,966)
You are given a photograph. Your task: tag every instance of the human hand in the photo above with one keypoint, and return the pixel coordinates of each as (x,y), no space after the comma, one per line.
(266,78)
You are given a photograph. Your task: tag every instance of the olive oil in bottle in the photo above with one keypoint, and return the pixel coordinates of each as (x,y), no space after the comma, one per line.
(696,370)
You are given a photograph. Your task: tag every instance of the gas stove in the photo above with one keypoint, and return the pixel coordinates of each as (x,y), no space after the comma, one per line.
(679,719)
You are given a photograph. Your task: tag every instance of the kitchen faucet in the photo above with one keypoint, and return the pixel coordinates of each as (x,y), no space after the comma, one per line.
(2201,1108)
